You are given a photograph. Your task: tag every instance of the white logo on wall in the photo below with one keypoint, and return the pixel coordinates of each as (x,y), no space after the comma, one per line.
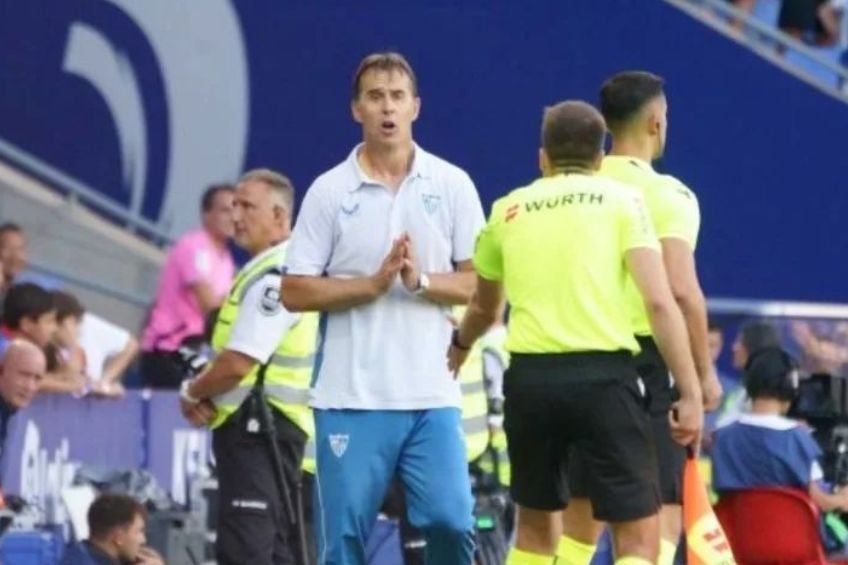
(190,458)
(338,443)
(44,475)
(203,64)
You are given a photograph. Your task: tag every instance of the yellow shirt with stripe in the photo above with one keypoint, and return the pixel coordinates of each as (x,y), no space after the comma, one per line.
(673,209)
(558,245)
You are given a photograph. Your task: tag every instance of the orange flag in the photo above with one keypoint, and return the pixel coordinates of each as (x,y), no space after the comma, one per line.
(705,539)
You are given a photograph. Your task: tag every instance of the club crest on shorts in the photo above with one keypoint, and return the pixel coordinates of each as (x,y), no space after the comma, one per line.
(338,443)
(431,202)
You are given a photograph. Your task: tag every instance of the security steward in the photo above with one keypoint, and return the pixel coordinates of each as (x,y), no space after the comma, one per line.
(561,249)
(256,337)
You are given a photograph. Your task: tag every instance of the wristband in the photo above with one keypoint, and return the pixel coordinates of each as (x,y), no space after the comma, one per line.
(455,341)
(184,394)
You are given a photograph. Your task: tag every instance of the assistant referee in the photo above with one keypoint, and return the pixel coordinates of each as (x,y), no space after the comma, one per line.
(561,248)
(635,109)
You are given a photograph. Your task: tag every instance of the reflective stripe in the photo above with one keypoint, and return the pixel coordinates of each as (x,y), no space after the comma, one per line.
(476,424)
(291,362)
(471,388)
(283,393)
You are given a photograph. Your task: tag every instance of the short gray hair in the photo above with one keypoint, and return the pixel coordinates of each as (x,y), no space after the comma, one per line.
(279,184)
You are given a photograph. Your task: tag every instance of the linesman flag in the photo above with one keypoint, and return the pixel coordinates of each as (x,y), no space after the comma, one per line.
(706,543)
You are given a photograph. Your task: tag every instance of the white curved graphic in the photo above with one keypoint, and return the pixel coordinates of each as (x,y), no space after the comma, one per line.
(202,58)
(90,56)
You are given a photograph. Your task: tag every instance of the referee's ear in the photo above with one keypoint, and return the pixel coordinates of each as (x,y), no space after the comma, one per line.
(544,162)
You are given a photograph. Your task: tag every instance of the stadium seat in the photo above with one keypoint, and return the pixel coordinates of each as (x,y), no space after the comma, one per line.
(778,526)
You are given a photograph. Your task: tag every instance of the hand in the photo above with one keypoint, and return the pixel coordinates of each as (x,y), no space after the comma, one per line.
(199,414)
(148,556)
(108,389)
(391,266)
(687,419)
(410,274)
(711,391)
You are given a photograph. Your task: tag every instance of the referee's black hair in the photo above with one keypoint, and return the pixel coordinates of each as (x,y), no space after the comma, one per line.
(625,94)
(208,199)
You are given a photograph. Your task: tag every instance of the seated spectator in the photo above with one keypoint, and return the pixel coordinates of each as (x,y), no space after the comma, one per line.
(116,525)
(22,367)
(29,312)
(109,350)
(65,357)
(766,449)
(196,278)
(13,253)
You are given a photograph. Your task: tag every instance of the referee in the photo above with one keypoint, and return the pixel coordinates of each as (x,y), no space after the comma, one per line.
(561,248)
(635,108)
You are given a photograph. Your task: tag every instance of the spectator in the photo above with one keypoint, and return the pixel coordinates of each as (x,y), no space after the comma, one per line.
(196,278)
(766,449)
(13,253)
(29,312)
(21,369)
(116,525)
(109,351)
(802,20)
(753,336)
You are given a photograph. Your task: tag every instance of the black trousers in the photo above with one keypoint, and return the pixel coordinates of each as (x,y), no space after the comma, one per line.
(253,525)
(160,369)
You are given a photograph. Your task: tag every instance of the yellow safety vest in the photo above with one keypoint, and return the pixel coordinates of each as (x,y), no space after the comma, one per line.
(475,404)
(289,373)
(493,342)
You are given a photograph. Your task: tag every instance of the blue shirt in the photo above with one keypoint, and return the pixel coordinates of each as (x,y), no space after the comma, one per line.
(762,450)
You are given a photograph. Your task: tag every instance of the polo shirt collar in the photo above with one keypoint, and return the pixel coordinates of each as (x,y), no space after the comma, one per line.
(417,170)
(641,163)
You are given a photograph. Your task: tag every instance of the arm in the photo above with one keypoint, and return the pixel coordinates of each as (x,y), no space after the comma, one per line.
(223,374)
(117,365)
(826,501)
(481,314)
(202,292)
(61,383)
(646,268)
(680,265)
(302,293)
(445,288)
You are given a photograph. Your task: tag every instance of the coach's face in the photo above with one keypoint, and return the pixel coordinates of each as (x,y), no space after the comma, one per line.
(386,107)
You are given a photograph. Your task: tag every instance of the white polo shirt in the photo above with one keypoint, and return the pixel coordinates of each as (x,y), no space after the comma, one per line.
(391,353)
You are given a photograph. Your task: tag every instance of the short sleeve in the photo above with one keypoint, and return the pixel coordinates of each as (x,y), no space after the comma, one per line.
(636,227)
(468,218)
(488,253)
(311,243)
(678,214)
(806,454)
(262,320)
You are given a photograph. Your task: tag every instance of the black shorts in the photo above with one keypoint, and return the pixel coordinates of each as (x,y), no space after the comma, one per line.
(671,456)
(591,402)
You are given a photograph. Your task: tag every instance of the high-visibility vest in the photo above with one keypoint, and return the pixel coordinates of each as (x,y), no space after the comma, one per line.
(289,371)
(493,342)
(475,404)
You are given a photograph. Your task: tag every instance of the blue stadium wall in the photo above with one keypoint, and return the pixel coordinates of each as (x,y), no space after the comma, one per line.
(759,147)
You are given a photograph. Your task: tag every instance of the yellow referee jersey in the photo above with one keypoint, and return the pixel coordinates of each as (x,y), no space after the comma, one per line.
(673,209)
(558,246)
